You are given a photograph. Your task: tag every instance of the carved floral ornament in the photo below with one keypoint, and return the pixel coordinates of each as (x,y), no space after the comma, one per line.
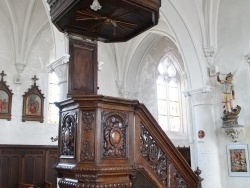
(247,57)
(114,134)
(87,151)
(210,53)
(88,118)
(68,128)
(159,161)
(233,133)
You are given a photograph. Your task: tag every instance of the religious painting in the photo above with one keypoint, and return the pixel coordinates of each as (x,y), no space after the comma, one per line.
(238,161)
(33,105)
(33,102)
(5,99)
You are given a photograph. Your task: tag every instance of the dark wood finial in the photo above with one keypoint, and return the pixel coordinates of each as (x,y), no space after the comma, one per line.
(35,79)
(2,75)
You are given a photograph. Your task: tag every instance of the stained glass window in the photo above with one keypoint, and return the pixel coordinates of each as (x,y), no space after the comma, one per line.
(53,114)
(168,96)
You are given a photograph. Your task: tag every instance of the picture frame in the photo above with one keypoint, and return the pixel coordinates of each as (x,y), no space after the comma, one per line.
(33,104)
(238,160)
(5,99)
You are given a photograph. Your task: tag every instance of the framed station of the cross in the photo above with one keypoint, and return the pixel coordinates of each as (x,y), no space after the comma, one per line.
(33,103)
(5,99)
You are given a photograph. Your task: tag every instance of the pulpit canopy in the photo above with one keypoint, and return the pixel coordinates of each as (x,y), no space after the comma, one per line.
(104,20)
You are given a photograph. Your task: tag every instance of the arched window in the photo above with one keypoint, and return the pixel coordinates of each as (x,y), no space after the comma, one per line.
(53,114)
(168,94)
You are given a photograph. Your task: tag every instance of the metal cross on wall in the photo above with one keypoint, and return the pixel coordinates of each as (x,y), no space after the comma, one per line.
(2,75)
(35,79)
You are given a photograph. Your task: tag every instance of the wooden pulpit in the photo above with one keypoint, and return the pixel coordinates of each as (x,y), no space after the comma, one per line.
(102,140)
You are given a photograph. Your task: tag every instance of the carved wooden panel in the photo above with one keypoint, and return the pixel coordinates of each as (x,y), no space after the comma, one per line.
(159,161)
(27,164)
(88,135)
(88,118)
(151,151)
(68,133)
(82,67)
(114,126)
(87,151)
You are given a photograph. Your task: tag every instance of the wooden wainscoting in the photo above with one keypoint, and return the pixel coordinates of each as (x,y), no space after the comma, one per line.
(28,165)
(185,152)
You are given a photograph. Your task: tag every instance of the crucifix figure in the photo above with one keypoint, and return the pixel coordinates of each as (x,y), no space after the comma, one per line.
(35,79)
(2,75)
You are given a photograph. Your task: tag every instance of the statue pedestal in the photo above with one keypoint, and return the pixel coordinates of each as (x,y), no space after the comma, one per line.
(233,132)
(230,124)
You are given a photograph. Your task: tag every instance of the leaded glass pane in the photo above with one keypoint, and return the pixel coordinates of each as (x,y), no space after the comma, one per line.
(53,114)
(166,62)
(168,96)
(162,69)
(175,123)
(173,94)
(54,93)
(163,122)
(173,83)
(162,107)
(174,108)
(171,71)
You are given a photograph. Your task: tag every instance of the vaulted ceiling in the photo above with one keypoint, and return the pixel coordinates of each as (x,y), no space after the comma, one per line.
(25,33)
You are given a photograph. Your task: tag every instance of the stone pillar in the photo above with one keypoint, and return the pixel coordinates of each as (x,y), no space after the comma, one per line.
(205,140)
(60,67)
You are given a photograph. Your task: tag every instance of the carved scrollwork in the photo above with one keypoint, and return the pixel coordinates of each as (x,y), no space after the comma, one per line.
(114,134)
(153,154)
(69,121)
(88,118)
(179,181)
(87,153)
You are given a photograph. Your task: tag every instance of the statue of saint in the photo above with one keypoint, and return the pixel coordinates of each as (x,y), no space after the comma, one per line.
(228,92)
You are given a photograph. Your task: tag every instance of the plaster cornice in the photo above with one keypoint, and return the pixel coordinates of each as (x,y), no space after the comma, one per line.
(58,62)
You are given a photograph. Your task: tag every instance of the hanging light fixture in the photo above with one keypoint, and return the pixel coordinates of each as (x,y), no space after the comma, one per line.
(95,5)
